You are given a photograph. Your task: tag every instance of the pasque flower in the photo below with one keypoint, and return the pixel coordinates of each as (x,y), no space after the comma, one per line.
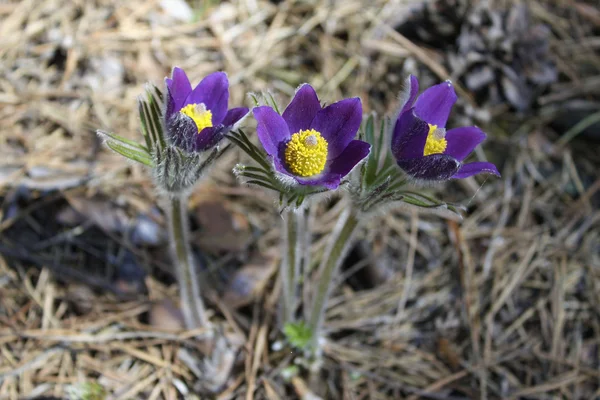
(197,119)
(310,145)
(422,146)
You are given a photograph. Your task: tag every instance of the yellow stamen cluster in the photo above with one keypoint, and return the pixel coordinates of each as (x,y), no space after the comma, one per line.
(306,153)
(201,116)
(436,143)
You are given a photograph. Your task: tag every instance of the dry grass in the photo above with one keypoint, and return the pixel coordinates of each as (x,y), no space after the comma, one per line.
(505,304)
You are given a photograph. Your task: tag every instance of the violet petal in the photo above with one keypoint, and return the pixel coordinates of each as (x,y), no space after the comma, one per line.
(179,86)
(436,167)
(279,166)
(213,92)
(302,109)
(409,136)
(408,94)
(208,137)
(435,103)
(170,106)
(328,180)
(234,115)
(354,153)
(271,129)
(338,124)
(475,168)
(462,141)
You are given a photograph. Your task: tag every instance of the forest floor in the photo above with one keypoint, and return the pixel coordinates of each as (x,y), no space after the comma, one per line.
(503,304)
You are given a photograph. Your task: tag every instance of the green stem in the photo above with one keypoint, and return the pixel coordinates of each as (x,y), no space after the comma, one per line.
(189,287)
(337,248)
(290,265)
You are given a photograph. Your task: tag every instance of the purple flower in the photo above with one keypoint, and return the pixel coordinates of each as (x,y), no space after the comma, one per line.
(312,145)
(422,146)
(197,119)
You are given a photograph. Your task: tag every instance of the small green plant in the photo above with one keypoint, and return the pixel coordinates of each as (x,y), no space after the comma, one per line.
(86,391)
(298,334)
(289,372)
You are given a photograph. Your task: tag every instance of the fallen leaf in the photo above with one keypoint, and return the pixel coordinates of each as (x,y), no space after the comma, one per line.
(221,228)
(165,315)
(249,281)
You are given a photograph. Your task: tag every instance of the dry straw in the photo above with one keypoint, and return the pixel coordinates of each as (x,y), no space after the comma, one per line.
(502,305)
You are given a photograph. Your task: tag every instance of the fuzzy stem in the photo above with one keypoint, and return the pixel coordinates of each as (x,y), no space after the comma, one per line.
(337,248)
(307,217)
(290,265)
(191,301)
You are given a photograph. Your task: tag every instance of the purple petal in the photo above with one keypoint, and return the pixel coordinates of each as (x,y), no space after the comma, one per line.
(462,141)
(354,153)
(436,167)
(475,168)
(434,104)
(271,129)
(234,115)
(409,136)
(179,86)
(408,94)
(327,179)
(208,137)
(338,124)
(302,110)
(213,91)
(170,106)
(279,165)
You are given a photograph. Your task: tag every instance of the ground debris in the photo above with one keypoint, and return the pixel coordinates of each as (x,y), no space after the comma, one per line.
(502,305)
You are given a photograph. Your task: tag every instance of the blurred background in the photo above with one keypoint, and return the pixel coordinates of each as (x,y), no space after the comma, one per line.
(505,304)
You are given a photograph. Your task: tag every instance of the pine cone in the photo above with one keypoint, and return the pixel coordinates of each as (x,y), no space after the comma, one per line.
(502,57)
(435,23)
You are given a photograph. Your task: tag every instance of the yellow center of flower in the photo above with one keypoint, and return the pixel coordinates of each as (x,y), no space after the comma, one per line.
(201,116)
(306,153)
(436,143)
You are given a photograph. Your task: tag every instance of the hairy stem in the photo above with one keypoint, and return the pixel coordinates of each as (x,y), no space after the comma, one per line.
(293,236)
(337,248)
(191,301)
(307,217)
